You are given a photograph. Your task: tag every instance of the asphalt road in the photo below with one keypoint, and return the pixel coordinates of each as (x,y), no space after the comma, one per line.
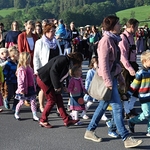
(27,135)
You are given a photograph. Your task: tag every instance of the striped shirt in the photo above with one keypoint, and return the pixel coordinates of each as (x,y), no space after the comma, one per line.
(141,84)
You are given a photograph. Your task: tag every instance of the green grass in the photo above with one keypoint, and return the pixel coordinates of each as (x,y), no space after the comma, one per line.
(4,12)
(140,13)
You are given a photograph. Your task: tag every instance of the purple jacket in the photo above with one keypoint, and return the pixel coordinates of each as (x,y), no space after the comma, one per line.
(25,78)
(124,48)
(107,54)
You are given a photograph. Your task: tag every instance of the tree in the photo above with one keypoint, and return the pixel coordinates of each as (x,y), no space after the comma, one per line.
(19,3)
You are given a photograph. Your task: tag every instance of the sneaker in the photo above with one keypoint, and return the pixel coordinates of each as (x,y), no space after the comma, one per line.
(84,116)
(90,135)
(78,123)
(131,126)
(108,123)
(113,134)
(104,118)
(6,104)
(131,142)
(16,116)
(35,118)
(148,134)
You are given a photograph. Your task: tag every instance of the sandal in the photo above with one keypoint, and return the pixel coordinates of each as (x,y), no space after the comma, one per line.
(1,110)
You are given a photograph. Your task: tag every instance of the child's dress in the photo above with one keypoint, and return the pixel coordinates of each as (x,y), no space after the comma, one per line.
(76,89)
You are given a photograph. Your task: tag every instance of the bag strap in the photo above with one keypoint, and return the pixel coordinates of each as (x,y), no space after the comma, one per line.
(129,45)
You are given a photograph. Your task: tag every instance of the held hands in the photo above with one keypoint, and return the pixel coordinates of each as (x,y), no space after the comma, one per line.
(58,90)
(110,87)
(132,73)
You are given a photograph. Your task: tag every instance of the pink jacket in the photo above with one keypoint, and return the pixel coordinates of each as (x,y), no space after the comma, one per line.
(25,78)
(107,53)
(124,48)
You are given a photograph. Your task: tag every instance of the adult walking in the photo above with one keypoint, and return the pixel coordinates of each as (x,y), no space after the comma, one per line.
(26,40)
(45,49)
(12,35)
(128,60)
(108,57)
(50,79)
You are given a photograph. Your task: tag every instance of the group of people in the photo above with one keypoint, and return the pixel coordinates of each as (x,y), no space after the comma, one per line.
(44,61)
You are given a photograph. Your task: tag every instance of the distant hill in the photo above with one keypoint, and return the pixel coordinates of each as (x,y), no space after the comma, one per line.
(140,13)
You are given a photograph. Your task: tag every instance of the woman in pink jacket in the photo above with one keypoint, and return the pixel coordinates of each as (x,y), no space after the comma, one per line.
(109,59)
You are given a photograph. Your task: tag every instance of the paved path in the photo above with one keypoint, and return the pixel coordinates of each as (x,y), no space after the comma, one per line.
(27,135)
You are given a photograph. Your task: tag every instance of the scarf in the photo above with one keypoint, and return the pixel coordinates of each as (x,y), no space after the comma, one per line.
(50,43)
(116,38)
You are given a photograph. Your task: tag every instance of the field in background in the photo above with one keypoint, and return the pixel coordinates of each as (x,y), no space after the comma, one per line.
(140,13)
(4,12)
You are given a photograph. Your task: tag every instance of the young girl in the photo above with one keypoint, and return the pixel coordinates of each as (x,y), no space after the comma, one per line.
(89,77)
(76,90)
(26,86)
(1,81)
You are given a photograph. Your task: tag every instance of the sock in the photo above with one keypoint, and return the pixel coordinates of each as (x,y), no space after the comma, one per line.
(75,114)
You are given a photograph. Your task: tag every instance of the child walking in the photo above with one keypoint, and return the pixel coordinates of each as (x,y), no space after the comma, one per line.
(3,60)
(89,76)
(26,86)
(76,90)
(10,77)
(1,81)
(141,83)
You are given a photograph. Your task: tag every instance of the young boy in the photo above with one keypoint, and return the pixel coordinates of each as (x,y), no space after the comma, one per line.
(141,83)
(3,86)
(10,76)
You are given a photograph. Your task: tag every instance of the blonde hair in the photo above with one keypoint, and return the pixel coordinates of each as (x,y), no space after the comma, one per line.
(145,55)
(24,59)
(12,50)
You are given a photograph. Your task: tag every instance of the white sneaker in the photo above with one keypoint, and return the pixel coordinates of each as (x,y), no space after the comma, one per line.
(35,118)
(16,116)
(104,118)
(85,117)
(148,134)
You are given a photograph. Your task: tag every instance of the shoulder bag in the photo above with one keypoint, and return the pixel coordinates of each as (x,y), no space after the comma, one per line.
(97,88)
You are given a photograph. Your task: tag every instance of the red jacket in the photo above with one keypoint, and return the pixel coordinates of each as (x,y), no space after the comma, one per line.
(23,45)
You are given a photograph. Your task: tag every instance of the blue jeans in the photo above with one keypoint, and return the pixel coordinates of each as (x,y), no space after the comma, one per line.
(117,109)
(145,115)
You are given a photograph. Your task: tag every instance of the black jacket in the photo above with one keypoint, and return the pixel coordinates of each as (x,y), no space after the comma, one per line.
(54,70)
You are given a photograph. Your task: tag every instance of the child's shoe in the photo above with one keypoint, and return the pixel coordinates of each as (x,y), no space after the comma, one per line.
(84,116)
(104,118)
(35,118)
(78,123)
(113,134)
(6,104)
(148,134)
(16,116)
